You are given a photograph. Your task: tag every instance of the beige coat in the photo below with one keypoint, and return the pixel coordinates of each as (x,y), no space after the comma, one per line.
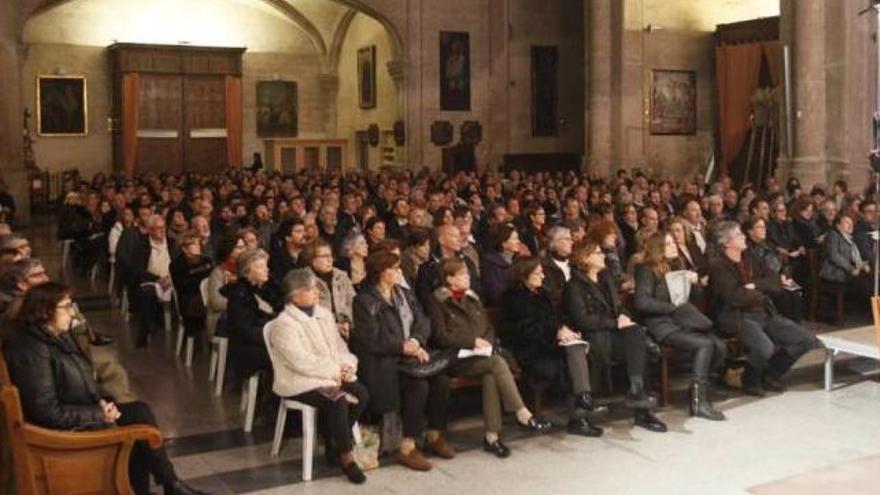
(306,352)
(343,295)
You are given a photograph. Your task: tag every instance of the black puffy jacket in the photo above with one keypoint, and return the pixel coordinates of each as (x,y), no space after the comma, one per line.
(55,379)
(245,320)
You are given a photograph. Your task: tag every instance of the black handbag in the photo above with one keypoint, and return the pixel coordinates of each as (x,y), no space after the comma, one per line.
(440,360)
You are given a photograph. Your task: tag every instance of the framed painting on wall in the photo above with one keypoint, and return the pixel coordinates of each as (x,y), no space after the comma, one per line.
(367,76)
(276,109)
(673,102)
(455,71)
(62,106)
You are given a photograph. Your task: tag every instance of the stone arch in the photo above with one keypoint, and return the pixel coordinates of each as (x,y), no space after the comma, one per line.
(339,39)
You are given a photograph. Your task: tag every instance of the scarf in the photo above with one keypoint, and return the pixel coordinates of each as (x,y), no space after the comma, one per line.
(854,250)
(404,312)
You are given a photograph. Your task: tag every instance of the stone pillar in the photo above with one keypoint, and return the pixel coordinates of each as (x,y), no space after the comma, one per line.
(11,162)
(329,87)
(810,159)
(397,71)
(598,119)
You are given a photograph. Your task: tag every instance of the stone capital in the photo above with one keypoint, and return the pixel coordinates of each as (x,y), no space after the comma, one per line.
(397,70)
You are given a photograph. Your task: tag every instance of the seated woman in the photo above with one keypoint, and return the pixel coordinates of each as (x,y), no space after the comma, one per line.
(542,345)
(223,274)
(188,270)
(789,302)
(58,390)
(843,263)
(460,323)
(311,364)
(417,250)
(681,325)
(336,293)
(592,308)
(496,262)
(390,328)
(253,300)
(354,256)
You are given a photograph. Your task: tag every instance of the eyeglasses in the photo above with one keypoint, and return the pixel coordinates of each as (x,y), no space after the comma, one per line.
(68,305)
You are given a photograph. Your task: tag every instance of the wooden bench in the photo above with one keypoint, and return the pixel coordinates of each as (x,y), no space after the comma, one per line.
(49,462)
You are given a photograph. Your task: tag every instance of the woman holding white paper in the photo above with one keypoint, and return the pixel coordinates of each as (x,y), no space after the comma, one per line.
(544,347)
(459,322)
(682,325)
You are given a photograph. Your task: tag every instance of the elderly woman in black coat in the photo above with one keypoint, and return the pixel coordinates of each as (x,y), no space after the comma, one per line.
(58,390)
(680,325)
(592,308)
(542,344)
(390,330)
(496,262)
(252,300)
(843,262)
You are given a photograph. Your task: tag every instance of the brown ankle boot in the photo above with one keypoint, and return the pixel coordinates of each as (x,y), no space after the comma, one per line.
(414,460)
(441,448)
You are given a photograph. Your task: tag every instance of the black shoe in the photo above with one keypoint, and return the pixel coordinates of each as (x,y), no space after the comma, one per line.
(497,447)
(178,487)
(354,474)
(701,406)
(773,383)
(584,401)
(580,426)
(535,424)
(648,421)
(101,340)
(751,382)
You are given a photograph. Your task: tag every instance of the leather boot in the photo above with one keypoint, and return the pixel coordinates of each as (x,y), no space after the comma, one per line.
(700,405)
(637,397)
(178,487)
(751,382)
(584,402)
(648,421)
(778,365)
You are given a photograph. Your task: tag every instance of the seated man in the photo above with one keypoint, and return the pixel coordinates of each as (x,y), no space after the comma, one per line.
(774,342)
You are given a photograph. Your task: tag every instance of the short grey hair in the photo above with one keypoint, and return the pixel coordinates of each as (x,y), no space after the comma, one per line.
(555,233)
(725,232)
(248,258)
(299,279)
(350,240)
(151,221)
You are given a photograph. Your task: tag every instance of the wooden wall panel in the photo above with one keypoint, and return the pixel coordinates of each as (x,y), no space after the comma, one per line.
(159,155)
(159,104)
(206,155)
(205,102)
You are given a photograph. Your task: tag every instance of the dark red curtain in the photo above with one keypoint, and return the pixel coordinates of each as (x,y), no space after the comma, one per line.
(738,68)
(233,121)
(130,90)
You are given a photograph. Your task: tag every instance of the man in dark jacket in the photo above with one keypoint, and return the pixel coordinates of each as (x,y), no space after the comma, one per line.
(740,287)
(292,239)
(557,268)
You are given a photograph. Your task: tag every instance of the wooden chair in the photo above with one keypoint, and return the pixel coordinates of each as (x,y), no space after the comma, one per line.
(52,462)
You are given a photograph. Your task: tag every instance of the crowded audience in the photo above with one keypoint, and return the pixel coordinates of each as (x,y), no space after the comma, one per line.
(378,293)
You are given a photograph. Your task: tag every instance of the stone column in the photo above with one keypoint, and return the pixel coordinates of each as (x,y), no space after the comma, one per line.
(598,118)
(329,87)
(397,71)
(11,162)
(810,160)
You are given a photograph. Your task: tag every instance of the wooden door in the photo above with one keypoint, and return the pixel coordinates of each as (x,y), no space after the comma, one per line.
(204,137)
(160,124)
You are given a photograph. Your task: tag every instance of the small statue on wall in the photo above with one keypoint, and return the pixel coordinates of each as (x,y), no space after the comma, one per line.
(27,141)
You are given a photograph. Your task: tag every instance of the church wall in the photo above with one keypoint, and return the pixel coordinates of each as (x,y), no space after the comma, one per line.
(93,153)
(350,117)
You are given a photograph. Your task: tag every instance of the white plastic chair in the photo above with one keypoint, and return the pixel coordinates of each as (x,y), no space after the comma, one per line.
(217,370)
(249,400)
(111,278)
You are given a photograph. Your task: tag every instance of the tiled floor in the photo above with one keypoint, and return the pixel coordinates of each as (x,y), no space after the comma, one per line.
(772,442)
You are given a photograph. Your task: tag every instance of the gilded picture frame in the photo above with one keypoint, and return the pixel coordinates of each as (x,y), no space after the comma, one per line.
(62,105)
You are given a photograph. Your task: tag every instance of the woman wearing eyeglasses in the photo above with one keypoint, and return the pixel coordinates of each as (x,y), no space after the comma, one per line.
(58,390)
(593,309)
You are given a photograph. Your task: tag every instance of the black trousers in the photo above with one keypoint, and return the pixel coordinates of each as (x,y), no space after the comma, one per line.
(336,418)
(421,398)
(144,460)
(148,308)
(766,335)
(628,345)
(708,351)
